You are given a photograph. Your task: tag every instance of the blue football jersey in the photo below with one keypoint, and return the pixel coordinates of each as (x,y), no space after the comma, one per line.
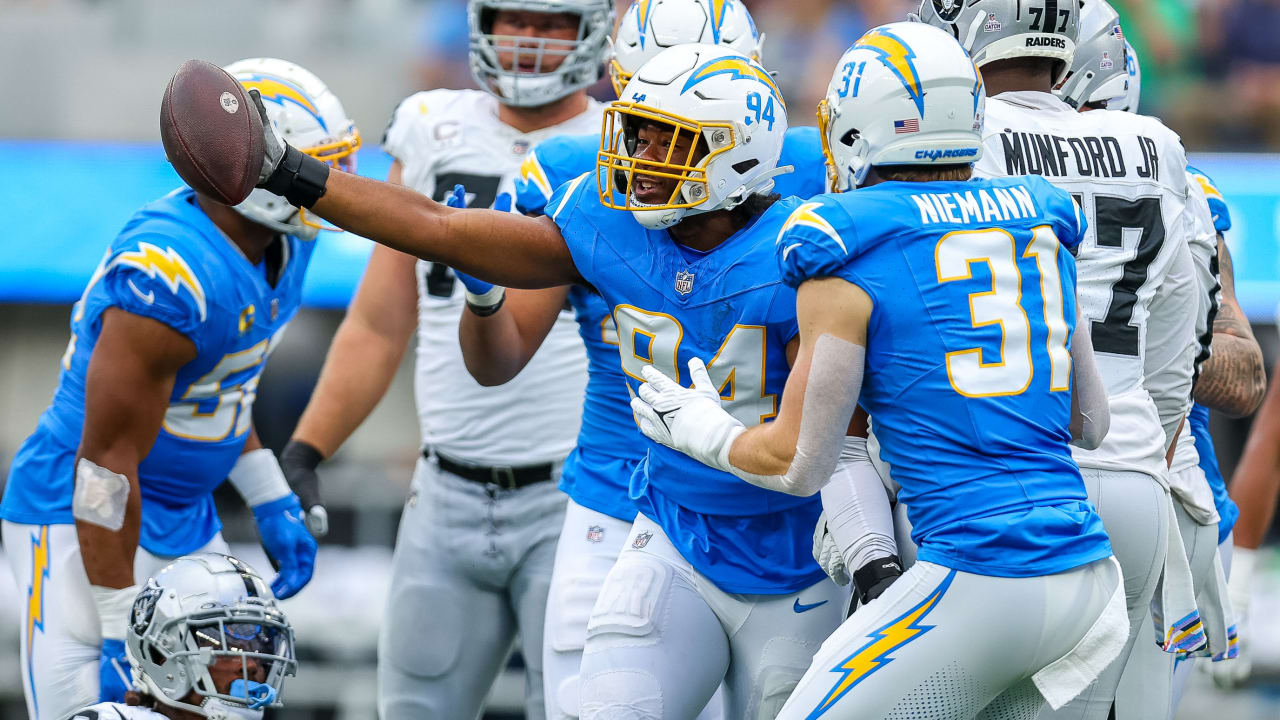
(1217,203)
(170,263)
(729,307)
(596,474)
(968,368)
(555,162)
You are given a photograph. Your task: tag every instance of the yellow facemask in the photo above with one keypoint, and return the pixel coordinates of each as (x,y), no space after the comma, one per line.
(621,169)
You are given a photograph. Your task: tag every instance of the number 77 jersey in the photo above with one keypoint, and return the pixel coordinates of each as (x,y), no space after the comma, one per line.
(1127,173)
(968,364)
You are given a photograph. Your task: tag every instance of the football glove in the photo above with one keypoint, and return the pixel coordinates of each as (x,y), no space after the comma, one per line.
(289,545)
(690,420)
(827,553)
(114,675)
(299,461)
(286,171)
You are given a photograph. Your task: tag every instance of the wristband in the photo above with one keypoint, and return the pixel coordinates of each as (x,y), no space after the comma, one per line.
(258,477)
(488,303)
(299,178)
(114,606)
(301,453)
(872,579)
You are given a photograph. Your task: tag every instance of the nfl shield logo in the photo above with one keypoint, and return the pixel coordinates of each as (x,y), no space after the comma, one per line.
(595,534)
(641,540)
(684,282)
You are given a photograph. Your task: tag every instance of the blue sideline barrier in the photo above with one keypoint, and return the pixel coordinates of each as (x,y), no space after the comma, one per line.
(66,200)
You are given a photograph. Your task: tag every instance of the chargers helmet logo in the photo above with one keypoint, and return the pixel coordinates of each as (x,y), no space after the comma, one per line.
(281,91)
(898,57)
(739,68)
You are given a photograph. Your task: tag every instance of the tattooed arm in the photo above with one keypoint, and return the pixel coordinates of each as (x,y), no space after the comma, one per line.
(1233,379)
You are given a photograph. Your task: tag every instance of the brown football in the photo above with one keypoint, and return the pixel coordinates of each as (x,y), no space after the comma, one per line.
(211,132)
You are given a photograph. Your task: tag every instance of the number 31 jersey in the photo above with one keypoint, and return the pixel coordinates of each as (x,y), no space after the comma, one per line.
(968,365)
(444,138)
(1128,174)
(171,264)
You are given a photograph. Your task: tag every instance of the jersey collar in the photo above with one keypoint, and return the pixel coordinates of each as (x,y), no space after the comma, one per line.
(1035,100)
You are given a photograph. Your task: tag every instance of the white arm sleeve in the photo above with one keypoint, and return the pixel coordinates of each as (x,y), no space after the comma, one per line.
(1171,343)
(831,395)
(858,514)
(1090,412)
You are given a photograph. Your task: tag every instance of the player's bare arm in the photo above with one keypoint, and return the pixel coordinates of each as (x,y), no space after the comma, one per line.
(797,452)
(373,337)
(503,248)
(1233,380)
(130,380)
(833,315)
(1090,414)
(495,348)
(1256,482)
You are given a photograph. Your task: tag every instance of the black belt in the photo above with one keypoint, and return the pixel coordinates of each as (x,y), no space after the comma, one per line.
(504,476)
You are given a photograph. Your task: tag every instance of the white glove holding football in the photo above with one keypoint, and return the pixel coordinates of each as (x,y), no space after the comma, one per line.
(1233,672)
(690,420)
(827,553)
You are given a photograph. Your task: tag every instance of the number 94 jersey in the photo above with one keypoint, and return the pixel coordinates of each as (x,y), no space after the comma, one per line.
(968,368)
(1128,174)
(729,307)
(171,264)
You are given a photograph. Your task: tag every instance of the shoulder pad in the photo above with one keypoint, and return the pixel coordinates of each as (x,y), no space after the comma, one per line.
(816,239)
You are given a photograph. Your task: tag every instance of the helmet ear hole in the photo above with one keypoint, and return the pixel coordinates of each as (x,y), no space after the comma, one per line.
(742,167)
(850,137)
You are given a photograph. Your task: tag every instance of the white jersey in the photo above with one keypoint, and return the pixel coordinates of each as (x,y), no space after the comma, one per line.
(1191,487)
(1128,172)
(115,711)
(444,138)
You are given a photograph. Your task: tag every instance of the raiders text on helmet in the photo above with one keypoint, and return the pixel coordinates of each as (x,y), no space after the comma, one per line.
(992,30)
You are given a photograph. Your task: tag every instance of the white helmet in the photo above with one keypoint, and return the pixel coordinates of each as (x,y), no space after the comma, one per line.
(199,610)
(725,102)
(904,94)
(308,115)
(993,30)
(582,58)
(1132,93)
(1097,73)
(651,26)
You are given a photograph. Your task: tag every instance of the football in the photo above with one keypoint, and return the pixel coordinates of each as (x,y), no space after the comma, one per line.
(211,132)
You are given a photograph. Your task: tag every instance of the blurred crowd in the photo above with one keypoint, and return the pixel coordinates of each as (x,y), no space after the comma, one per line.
(1211,68)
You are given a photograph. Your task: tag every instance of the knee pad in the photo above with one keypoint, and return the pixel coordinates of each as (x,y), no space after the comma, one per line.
(624,614)
(622,695)
(783,661)
(404,648)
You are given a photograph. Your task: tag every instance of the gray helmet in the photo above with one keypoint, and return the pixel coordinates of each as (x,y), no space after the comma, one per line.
(1098,73)
(196,611)
(583,59)
(1002,29)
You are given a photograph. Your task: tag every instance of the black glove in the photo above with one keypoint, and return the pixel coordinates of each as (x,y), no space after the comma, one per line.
(299,461)
(287,171)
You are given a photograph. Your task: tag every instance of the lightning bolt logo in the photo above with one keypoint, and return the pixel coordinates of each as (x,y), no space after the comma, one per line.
(718,8)
(531,171)
(739,69)
(281,91)
(1207,186)
(881,642)
(806,215)
(642,19)
(35,598)
(898,57)
(977,87)
(169,267)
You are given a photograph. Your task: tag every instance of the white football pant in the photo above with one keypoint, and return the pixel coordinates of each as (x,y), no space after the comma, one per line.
(949,645)
(60,636)
(662,638)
